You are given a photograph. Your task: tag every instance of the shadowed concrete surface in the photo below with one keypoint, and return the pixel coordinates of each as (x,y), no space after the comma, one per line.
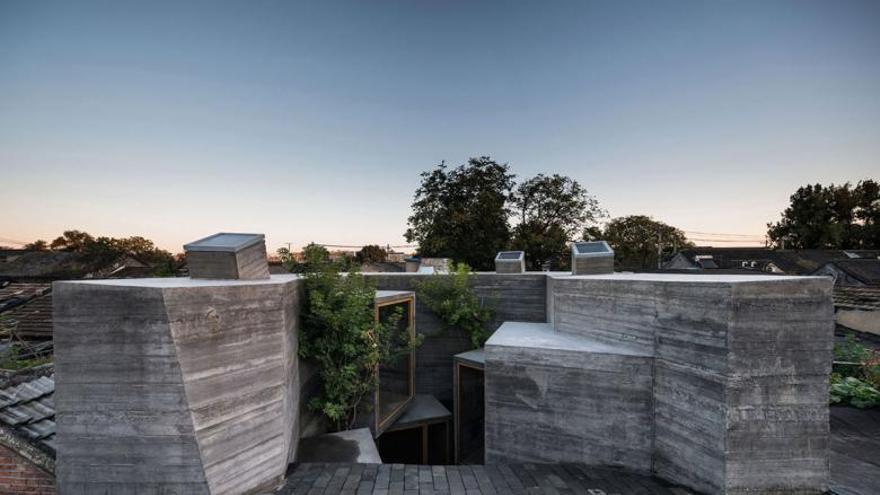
(355,446)
(516,479)
(855,451)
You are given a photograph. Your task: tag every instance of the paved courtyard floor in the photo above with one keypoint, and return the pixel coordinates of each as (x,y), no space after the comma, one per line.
(527,479)
(855,470)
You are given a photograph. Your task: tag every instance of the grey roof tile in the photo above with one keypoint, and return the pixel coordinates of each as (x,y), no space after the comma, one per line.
(29,408)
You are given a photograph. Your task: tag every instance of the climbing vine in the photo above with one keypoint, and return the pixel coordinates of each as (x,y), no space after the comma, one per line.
(454,301)
(339,333)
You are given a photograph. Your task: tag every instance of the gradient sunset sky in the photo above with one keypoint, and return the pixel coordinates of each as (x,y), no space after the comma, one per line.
(311,121)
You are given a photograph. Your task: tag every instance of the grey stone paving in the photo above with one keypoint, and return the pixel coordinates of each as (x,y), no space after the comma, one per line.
(525,479)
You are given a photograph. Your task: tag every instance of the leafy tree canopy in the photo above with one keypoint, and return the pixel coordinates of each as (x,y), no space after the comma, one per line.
(550,211)
(339,333)
(462,213)
(635,240)
(371,254)
(72,240)
(314,257)
(830,217)
(107,249)
(38,245)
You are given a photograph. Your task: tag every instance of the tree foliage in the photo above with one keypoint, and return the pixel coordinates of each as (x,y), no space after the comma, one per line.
(101,250)
(313,256)
(340,334)
(371,253)
(830,217)
(636,238)
(550,211)
(462,213)
(38,245)
(72,240)
(454,301)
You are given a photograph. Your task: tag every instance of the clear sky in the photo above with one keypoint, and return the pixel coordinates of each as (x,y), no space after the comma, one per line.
(312,121)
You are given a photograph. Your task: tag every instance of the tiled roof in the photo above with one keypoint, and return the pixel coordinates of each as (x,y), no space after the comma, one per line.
(857,298)
(866,271)
(29,409)
(15,294)
(790,261)
(32,320)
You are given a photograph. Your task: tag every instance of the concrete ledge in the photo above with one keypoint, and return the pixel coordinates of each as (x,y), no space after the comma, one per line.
(552,397)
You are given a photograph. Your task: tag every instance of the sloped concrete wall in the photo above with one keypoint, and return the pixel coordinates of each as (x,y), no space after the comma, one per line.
(121,408)
(175,385)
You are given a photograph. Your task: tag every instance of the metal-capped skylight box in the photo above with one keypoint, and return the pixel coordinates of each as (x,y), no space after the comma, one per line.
(228,255)
(510,262)
(591,258)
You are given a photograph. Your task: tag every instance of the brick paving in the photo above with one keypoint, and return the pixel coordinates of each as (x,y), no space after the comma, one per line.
(525,479)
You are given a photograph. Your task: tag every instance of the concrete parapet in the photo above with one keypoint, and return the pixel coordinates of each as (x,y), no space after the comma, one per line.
(175,385)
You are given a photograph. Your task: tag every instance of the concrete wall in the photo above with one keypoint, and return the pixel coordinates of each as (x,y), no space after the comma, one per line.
(175,385)
(554,397)
(740,375)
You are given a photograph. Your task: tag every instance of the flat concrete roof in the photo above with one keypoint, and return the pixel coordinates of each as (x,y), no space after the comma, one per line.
(542,336)
(476,356)
(181,282)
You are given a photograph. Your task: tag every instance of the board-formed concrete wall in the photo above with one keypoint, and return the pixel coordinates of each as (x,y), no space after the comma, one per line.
(740,375)
(556,397)
(175,385)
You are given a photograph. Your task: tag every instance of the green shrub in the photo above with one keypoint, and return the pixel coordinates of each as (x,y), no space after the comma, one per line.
(340,334)
(849,356)
(856,377)
(453,300)
(852,391)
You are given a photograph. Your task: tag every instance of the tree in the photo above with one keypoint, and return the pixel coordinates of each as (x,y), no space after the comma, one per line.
(550,211)
(830,217)
(315,254)
(38,245)
(462,213)
(72,240)
(371,254)
(103,250)
(636,240)
(339,333)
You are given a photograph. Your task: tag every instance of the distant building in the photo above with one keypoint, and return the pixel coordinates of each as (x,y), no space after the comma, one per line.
(8,255)
(852,272)
(384,266)
(857,308)
(435,265)
(395,256)
(46,266)
(763,260)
